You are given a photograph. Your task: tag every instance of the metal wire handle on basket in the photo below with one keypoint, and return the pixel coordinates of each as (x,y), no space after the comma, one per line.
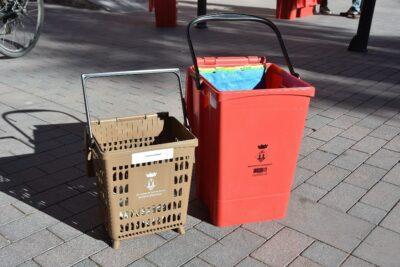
(86,77)
(235,17)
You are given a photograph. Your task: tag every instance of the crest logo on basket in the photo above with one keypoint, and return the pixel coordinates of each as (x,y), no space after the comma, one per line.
(151,174)
(151,184)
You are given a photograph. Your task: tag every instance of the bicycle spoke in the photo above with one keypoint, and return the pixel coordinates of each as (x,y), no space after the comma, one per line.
(30,20)
(32,11)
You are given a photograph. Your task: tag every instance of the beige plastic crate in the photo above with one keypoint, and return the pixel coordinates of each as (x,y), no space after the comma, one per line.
(143,166)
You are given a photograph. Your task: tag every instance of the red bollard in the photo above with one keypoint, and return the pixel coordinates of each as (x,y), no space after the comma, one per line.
(166,13)
(291,9)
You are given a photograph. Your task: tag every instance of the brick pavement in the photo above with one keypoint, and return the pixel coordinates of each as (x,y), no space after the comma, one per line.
(345,207)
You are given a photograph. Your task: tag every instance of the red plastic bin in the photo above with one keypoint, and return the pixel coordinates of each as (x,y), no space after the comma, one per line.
(248,140)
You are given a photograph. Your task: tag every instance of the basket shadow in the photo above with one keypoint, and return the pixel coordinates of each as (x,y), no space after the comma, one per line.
(52,180)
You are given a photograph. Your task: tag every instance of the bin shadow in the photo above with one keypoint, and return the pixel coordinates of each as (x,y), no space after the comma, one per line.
(53,178)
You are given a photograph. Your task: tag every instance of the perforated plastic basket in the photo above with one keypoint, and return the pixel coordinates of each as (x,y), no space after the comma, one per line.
(143,166)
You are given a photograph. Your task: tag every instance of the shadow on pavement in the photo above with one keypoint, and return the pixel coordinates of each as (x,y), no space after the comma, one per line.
(53,178)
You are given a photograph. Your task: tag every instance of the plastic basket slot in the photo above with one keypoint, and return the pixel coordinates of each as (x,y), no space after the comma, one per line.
(120,189)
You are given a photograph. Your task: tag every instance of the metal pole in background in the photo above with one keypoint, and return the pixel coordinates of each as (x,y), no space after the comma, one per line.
(201,10)
(359,43)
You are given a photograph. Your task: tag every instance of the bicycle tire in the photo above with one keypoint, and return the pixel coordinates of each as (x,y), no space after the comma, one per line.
(15,54)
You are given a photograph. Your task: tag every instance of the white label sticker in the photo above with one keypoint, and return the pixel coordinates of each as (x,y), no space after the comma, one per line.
(155,155)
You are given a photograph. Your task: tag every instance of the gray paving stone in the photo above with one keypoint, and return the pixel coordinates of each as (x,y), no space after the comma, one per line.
(356,262)
(301,176)
(375,197)
(301,261)
(192,221)
(142,263)
(328,225)
(71,252)
(29,263)
(130,251)
(316,160)
(328,177)
(233,248)
(386,132)
(52,180)
(83,184)
(9,214)
(181,249)
(250,262)
(86,263)
(57,212)
(21,177)
(367,212)
(85,220)
(384,159)
(214,231)
(61,163)
(264,229)
(333,112)
(356,132)
(300,157)
(394,144)
(372,122)
(26,226)
(277,252)
(322,103)
(64,231)
(309,145)
(337,145)
(369,144)
(393,176)
(317,122)
(324,254)
(381,247)
(343,196)
(395,121)
(21,192)
(25,208)
(326,133)
(6,199)
(392,221)
(366,176)
(53,196)
(360,112)
(27,248)
(344,122)
(310,192)
(307,131)
(350,160)
(3,242)
(168,235)
(80,202)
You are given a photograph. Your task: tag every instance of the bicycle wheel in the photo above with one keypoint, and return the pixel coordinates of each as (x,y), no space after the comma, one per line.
(20,26)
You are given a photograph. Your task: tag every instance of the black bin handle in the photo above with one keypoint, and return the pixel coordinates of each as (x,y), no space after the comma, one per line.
(235,17)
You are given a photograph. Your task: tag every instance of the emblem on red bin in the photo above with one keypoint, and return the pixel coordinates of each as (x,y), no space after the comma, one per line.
(262,167)
(261,153)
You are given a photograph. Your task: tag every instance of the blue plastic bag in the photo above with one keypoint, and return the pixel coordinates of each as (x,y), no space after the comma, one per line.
(235,78)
